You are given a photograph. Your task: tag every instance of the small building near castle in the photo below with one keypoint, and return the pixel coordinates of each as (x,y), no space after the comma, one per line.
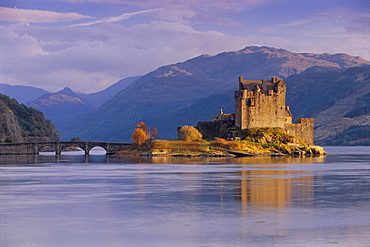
(260,104)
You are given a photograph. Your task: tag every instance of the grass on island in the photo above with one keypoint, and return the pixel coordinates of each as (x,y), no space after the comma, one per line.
(258,141)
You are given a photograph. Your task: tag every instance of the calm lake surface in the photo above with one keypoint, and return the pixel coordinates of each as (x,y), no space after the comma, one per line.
(73,200)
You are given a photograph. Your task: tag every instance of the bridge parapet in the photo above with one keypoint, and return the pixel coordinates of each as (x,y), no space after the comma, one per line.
(18,148)
(58,147)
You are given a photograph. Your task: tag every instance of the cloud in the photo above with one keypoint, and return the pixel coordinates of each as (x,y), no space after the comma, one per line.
(189,11)
(359,24)
(13,45)
(171,2)
(121,17)
(91,58)
(36,16)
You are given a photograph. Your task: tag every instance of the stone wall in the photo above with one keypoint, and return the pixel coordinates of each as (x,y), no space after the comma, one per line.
(18,148)
(224,117)
(260,104)
(58,147)
(214,129)
(304,129)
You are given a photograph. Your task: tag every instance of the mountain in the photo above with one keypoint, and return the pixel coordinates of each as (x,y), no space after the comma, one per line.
(172,87)
(345,103)
(22,94)
(94,100)
(338,99)
(19,123)
(65,105)
(60,106)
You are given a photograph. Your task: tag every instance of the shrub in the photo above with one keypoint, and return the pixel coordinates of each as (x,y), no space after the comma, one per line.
(189,133)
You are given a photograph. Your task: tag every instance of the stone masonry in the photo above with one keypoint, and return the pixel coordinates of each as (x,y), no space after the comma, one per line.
(261,104)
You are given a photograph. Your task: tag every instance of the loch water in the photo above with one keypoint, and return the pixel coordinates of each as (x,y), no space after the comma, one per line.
(98,200)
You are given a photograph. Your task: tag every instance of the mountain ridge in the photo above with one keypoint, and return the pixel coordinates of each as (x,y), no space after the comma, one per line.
(22,94)
(174,86)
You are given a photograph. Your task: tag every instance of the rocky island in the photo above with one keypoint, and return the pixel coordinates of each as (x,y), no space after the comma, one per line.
(261,125)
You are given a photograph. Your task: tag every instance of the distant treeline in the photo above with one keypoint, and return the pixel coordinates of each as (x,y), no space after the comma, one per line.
(353,136)
(363,107)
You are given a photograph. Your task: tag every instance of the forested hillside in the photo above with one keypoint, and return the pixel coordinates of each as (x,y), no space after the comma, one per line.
(18,123)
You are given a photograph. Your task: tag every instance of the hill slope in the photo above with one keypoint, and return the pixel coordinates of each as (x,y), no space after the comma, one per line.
(19,123)
(94,100)
(172,87)
(60,106)
(337,98)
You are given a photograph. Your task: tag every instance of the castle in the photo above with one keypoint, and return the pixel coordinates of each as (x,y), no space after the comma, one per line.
(260,104)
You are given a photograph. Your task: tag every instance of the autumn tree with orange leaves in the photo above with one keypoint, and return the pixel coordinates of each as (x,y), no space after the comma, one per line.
(139,137)
(143,135)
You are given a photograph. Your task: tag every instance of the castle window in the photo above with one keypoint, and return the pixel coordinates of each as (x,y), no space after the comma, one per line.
(250,102)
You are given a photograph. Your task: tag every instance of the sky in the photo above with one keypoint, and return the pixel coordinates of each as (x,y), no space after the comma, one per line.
(88,45)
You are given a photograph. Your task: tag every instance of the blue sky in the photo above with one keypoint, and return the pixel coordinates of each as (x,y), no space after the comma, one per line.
(90,44)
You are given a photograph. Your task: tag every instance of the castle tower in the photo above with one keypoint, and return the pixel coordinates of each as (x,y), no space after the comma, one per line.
(261,103)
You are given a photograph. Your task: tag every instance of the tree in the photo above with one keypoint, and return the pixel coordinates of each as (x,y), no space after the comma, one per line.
(154,133)
(139,137)
(151,134)
(189,133)
(142,126)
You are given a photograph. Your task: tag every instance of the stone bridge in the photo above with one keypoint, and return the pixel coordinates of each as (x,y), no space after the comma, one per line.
(58,147)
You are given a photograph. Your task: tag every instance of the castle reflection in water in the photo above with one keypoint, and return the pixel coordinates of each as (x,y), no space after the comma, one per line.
(273,185)
(261,182)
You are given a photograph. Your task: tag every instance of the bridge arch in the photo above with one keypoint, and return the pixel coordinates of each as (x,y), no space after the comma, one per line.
(91,145)
(36,147)
(98,150)
(65,145)
(40,147)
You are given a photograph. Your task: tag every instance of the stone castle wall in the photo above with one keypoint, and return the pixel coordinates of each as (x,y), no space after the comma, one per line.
(215,128)
(304,129)
(261,104)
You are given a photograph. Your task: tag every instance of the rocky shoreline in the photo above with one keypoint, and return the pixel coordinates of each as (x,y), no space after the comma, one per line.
(298,151)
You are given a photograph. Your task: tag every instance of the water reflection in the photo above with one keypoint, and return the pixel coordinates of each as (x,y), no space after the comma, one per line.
(275,188)
(77,157)
(99,200)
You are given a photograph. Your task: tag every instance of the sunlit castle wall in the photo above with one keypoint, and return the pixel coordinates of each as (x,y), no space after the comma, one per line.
(260,104)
